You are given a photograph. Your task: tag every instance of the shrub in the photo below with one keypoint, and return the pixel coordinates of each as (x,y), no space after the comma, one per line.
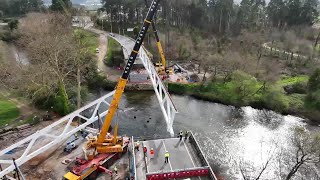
(313,100)
(114,54)
(275,99)
(178,88)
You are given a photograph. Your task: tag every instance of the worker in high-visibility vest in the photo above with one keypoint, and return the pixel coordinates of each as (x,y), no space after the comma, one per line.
(166,157)
(186,135)
(151,153)
(137,145)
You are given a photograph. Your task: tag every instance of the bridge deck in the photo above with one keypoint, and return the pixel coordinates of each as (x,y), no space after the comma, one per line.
(181,157)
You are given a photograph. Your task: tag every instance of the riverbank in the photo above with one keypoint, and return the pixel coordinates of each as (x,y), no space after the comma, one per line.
(273,97)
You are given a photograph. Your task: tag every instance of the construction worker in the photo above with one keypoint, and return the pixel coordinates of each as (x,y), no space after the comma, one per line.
(115,170)
(14,173)
(166,157)
(151,153)
(180,135)
(186,134)
(137,145)
(145,150)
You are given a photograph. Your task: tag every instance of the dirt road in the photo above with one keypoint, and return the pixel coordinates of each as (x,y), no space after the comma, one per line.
(110,73)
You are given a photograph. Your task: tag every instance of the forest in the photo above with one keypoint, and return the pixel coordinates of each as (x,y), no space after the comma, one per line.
(250,52)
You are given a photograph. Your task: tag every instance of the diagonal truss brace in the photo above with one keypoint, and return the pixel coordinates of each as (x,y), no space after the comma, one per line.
(46,138)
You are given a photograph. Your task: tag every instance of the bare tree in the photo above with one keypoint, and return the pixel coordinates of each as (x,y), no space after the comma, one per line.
(307,151)
(48,41)
(269,72)
(249,172)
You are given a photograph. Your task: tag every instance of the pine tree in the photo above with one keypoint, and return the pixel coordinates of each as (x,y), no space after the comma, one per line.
(294,12)
(309,11)
(277,11)
(61,5)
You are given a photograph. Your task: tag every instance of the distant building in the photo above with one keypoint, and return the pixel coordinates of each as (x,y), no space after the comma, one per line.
(81,21)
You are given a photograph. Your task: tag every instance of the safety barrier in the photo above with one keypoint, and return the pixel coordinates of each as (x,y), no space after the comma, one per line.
(201,156)
(186,173)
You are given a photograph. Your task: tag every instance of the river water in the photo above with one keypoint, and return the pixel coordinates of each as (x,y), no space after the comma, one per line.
(231,138)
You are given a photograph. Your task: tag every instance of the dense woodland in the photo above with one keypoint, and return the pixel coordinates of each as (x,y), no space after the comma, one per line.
(218,16)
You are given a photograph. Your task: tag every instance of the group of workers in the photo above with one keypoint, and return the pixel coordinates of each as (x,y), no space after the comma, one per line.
(186,135)
(167,154)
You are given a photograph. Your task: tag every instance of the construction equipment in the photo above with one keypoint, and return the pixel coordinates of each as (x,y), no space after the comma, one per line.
(71,145)
(161,67)
(98,150)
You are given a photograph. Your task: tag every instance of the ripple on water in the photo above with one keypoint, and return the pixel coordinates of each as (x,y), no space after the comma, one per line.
(230,137)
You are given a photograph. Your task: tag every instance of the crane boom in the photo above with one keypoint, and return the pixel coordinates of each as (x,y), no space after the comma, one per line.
(159,46)
(100,143)
(162,68)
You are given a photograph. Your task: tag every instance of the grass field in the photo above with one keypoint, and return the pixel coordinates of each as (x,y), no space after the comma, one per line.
(90,39)
(8,112)
(286,81)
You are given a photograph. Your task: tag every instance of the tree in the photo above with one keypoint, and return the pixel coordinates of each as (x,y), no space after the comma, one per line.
(314,81)
(307,150)
(277,12)
(61,5)
(13,24)
(49,43)
(294,12)
(251,13)
(309,12)
(20,7)
(313,96)
(81,61)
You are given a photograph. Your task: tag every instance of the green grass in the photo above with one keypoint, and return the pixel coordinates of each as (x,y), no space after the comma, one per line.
(114,53)
(296,101)
(286,81)
(90,39)
(8,112)
(243,90)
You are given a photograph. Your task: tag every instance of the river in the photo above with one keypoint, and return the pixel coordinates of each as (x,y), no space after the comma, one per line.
(230,137)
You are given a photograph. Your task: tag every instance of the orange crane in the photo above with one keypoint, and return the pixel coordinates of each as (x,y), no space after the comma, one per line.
(102,147)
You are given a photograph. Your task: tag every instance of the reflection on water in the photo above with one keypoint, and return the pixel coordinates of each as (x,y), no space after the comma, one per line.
(231,138)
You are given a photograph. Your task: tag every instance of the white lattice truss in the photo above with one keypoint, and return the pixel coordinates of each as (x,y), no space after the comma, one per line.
(55,134)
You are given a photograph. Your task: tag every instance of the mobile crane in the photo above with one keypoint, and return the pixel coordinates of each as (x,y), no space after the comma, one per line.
(162,68)
(99,149)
